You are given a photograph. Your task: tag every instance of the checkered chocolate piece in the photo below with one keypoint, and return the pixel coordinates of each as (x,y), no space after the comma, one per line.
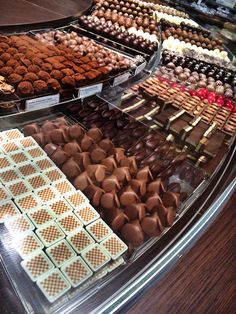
(50,234)
(37,265)
(4,194)
(54,175)
(59,207)
(40,216)
(95,257)
(20,158)
(76,271)
(69,223)
(99,230)
(36,152)
(76,199)
(28,245)
(64,187)
(80,240)
(19,224)
(7,210)
(18,188)
(28,169)
(5,163)
(53,285)
(9,175)
(87,214)
(27,142)
(2,138)
(60,253)
(114,246)
(45,164)
(37,181)
(10,147)
(12,134)
(46,194)
(115,264)
(27,202)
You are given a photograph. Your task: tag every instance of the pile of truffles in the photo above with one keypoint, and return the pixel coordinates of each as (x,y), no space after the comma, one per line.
(118,35)
(195,80)
(170,11)
(130,8)
(200,38)
(130,199)
(35,68)
(145,23)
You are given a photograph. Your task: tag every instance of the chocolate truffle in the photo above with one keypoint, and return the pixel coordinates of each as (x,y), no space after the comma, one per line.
(133,233)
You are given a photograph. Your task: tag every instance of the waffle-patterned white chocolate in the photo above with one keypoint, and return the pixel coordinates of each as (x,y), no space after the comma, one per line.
(5,195)
(7,210)
(59,207)
(7,176)
(18,188)
(114,246)
(87,214)
(50,233)
(37,265)
(95,257)
(99,230)
(80,240)
(47,194)
(37,181)
(60,253)
(28,202)
(36,152)
(19,224)
(54,175)
(28,244)
(10,147)
(20,158)
(64,186)
(76,271)
(53,285)
(27,142)
(69,223)
(28,169)
(5,163)
(40,216)
(45,164)
(76,199)
(12,134)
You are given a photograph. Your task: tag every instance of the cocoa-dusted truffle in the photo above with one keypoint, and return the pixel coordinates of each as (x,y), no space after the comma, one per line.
(58,136)
(86,142)
(56,74)
(34,68)
(25,88)
(31,77)
(43,75)
(97,153)
(110,163)
(54,85)
(40,86)
(68,80)
(171,199)
(116,218)
(139,186)
(39,138)
(21,70)
(6,71)
(153,200)
(83,159)
(14,78)
(122,174)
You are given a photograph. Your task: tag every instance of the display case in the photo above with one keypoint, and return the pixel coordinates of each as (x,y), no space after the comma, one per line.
(106,181)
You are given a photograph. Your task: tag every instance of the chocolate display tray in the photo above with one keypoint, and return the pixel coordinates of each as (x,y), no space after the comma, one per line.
(35,302)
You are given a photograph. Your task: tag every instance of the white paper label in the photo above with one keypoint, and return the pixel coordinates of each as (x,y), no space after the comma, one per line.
(140,68)
(121,79)
(90,90)
(42,102)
